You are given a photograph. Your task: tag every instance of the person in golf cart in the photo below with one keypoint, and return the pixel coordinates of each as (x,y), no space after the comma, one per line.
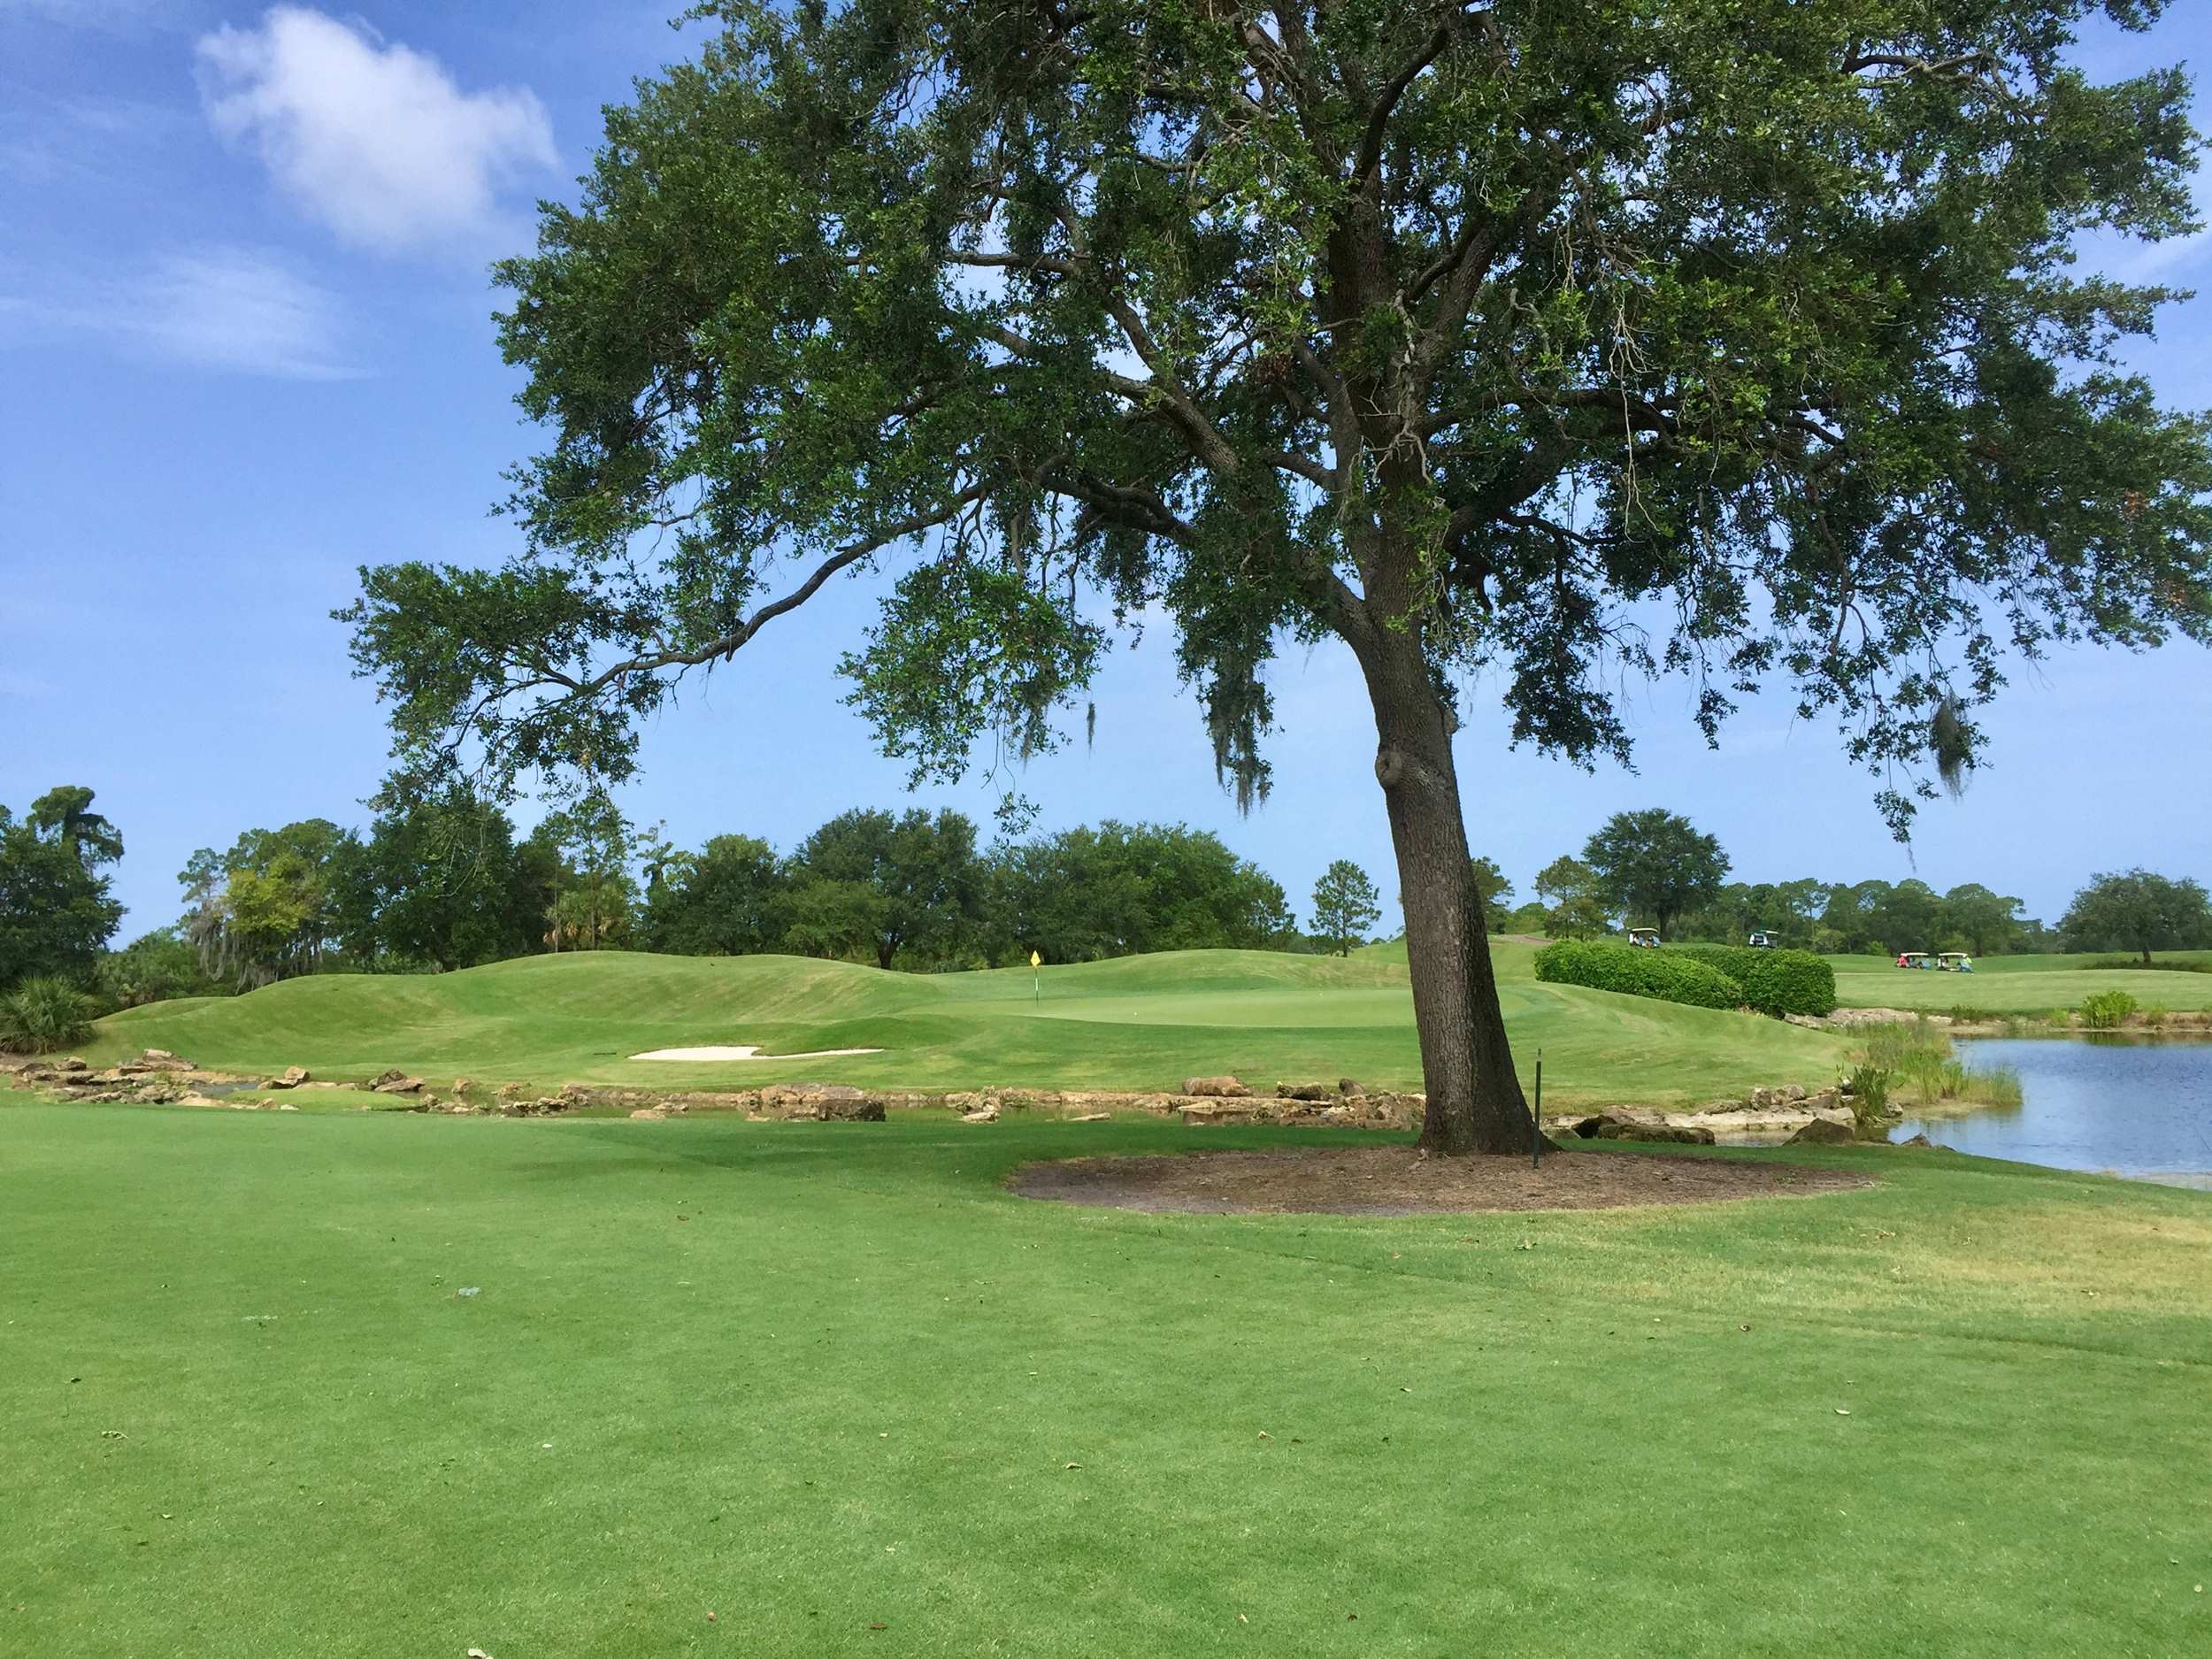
(1764,942)
(1955,962)
(1644,938)
(1915,959)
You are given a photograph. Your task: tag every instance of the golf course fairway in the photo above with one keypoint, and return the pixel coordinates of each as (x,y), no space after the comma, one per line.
(360,1385)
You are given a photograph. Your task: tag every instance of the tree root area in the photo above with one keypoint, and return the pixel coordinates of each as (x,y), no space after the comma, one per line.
(1399,1181)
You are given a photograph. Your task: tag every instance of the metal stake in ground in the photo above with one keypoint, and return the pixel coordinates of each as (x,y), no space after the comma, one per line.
(1536,1118)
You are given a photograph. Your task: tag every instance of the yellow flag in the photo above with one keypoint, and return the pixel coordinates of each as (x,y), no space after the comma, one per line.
(1036,961)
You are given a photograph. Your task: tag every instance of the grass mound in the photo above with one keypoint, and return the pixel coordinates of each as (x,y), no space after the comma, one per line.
(1134,1023)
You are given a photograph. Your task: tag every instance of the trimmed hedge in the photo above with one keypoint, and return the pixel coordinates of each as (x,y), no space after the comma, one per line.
(1665,974)
(1776,982)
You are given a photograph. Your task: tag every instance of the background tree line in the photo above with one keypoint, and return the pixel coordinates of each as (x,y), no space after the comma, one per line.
(449,881)
(1654,868)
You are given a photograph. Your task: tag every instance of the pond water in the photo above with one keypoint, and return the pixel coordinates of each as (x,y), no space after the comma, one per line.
(2132,1107)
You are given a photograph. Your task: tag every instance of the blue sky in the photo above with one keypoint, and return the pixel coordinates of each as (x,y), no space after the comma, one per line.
(245,347)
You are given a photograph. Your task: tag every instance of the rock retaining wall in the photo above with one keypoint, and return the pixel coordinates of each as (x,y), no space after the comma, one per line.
(157,1077)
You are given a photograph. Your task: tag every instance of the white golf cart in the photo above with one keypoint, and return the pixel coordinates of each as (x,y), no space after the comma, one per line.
(1764,942)
(1643,938)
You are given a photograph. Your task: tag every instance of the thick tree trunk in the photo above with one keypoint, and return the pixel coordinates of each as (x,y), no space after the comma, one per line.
(1474,1100)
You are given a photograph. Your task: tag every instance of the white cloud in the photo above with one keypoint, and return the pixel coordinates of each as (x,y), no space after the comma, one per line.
(375,141)
(238,311)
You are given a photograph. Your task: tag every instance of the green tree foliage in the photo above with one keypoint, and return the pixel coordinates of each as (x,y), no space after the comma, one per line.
(1788,912)
(2136,911)
(1573,899)
(591,897)
(1979,921)
(66,815)
(57,913)
(1345,906)
(269,908)
(442,883)
(1119,889)
(1492,889)
(1654,867)
(155,967)
(870,884)
(1475,338)
(731,898)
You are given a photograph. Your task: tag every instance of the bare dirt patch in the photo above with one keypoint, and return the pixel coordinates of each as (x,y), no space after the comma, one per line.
(1397,1181)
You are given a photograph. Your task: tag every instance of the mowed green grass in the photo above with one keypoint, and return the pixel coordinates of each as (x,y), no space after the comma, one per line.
(2018,985)
(832,1385)
(1137,1022)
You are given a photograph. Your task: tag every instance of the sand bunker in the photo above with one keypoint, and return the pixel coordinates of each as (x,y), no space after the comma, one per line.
(747,1051)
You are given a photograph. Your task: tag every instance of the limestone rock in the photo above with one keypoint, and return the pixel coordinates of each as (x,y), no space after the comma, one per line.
(1920,1141)
(981,1115)
(820,1103)
(294,1076)
(1305,1092)
(1216,1087)
(157,1060)
(648,1114)
(463,1085)
(1678,1133)
(1091,1117)
(395,1082)
(1823,1131)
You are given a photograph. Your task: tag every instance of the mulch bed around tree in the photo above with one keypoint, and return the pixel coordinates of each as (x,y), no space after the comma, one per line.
(1399,1181)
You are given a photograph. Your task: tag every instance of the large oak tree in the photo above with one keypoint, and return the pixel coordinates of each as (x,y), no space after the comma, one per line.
(1571,340)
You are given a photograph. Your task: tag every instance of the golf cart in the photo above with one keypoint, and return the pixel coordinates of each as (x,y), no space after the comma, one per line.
(1764,942)
(1915,959)
(1955,962)
(1643,938)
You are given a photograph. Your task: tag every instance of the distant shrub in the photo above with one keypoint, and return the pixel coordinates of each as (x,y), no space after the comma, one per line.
(1776,982)
(2000,1087)
(2136,965)
(44,1014)
(1668,975)
(2105,1010)
(2154,1017)
(2059,1019)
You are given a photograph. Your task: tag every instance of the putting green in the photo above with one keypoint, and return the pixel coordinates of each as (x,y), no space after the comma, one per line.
(1135,1023)
(2017,985)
